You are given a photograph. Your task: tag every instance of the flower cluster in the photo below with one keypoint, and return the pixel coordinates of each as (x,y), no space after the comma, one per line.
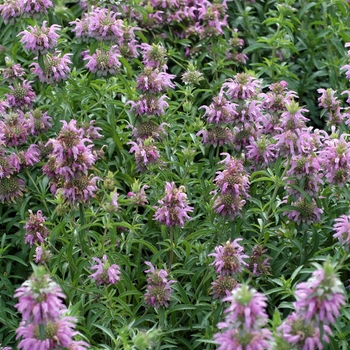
(22,95)
(69,162)
(56,67)
(318,304)
(244,321)
(159,288)
(36,231)
(342,230)
(228,261)
(44,322)
(232,187)
(105,273)
(12,9)
(174,207)
(40,39)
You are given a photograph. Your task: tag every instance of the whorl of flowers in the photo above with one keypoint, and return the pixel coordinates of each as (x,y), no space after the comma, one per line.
(105,273)
(40,39)
(12,70)
(229,258)
(36,231)
(30,8)
(174,207)
(244,321)
(103,62)
(153,81)
(318,304)
(342,230)
(232,187)
(56,68)
(146,153)
(69,163)
(22,95)
(159,288)
(40,301)
(243,86)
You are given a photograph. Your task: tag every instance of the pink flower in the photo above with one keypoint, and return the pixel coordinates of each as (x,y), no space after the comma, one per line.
(22,95)
(146,153)
(36,232)
(40,39)
(105,273)
(9,10)
(103,62)
(321,297)
(342,229)
(174,206)
(149,104)
(302,333)
(229,258)
(30,8)
(223,286)
(153,81)
(159,288)
(307,211)
(56,68)
(154,56)
(243,86)
(216,136)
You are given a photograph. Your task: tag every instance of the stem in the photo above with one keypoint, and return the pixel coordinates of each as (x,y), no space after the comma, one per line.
(171,257)
(81,232)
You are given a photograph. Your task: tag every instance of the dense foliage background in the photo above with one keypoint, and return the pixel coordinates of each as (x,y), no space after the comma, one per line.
(133,143)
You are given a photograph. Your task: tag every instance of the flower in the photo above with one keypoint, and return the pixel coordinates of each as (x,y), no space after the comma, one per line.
(39,299)
(342,229)
(30,8)
(105,273)
(244,319)
(22,95)
(145,153)
(153,81)
(258,263)
(149,104)
(12,70)
(223,286)
(42,255)
(36,232)
(40,39)
(216,136)
(159,288)
(243,86)
(9,10)
(147,129)
(138,195)
(302,333)
(321,297)
(220,110)
(174,206)
(154,56)
(307,211)
(229,258)
(11,187)
(103,62)
(55,68)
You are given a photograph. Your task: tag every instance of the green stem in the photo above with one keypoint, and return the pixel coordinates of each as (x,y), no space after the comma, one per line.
(82,232)
(171,257)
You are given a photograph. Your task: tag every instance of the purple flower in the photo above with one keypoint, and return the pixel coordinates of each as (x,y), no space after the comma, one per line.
(342,230)
(229,258)
(234,179)
(36,232)
(228,205)
(138,195)
(12,70)
(293,119)
(40,300)
(105,273)
(103,62)
(14,128)
(153,81)
(104,25)
(220,110)
(42,255)
(243,86)
(302,333)
(261,151)
(11,187)
(159,288)
(9,10)
(22,95)
(56,68)
(154,56)
(40,39)
(223,286)
(145,153)
(112,205)
(149,104)
(59,332)
(80,189)
(30,8)
(216,136)
(258,262)
(307,211)
(38,121)
(174,206)
(148,129)
(244,319)
(321,297)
